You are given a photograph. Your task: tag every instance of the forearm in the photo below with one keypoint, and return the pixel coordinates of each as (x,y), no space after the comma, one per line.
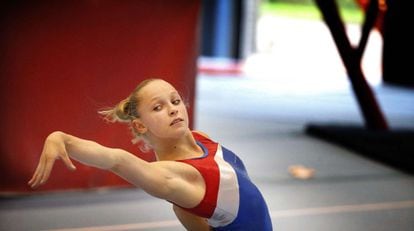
(87,152)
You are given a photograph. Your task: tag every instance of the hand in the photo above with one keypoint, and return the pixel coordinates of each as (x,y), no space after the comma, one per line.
(54,148)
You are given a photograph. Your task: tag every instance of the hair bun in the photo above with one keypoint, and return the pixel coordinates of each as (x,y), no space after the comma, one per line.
(120,113)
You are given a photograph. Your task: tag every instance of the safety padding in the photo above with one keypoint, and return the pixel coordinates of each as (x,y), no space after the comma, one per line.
(62,61)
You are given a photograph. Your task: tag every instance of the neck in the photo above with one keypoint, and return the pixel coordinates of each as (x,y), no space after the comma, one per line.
(177,149)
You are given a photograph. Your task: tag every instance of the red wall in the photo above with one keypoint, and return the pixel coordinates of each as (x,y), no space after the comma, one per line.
(61,61)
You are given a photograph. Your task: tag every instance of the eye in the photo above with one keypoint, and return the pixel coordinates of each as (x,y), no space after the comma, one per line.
(157,108)
(176,102)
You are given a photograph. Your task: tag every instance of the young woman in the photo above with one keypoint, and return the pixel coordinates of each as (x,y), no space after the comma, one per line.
(207,184)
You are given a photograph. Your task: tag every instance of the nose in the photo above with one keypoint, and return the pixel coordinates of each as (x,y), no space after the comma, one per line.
(173,111)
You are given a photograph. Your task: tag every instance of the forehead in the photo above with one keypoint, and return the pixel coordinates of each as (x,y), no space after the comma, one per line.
(156,88)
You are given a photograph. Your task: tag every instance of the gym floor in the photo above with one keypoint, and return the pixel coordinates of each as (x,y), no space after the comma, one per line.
(261,115)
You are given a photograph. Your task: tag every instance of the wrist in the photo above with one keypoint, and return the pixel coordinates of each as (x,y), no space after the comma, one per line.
(56,136)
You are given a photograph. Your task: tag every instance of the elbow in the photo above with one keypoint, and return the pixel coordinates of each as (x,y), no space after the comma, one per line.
(116,161)
(153,180)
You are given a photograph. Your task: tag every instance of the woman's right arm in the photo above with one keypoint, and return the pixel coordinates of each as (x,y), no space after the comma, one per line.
(59,145)
(165,179)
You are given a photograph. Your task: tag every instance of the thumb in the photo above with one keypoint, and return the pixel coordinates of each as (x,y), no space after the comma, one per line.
(68,162)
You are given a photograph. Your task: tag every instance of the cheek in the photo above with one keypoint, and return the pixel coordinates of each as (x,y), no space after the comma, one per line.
(147,120)
(151,121)
(184,111)
(154,122)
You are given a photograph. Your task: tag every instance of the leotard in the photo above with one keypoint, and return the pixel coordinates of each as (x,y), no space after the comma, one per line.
(231,201)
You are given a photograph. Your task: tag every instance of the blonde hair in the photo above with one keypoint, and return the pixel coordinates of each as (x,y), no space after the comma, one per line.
(126,111)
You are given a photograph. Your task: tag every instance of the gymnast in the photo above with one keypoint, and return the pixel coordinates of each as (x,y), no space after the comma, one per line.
(207,184)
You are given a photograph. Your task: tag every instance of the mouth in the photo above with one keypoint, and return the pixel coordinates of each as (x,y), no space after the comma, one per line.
(178,120)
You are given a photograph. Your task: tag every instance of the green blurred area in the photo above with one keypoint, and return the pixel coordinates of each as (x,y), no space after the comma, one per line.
(307,9)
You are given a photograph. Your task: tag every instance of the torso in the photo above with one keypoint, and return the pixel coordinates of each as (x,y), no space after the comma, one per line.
(229,195)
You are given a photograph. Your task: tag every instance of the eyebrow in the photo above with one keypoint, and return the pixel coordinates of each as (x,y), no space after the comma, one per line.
(155,98)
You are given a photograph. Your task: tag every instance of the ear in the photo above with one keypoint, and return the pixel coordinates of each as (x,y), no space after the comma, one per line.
(139,126)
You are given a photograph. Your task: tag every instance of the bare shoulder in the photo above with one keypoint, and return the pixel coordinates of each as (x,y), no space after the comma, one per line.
(201,133)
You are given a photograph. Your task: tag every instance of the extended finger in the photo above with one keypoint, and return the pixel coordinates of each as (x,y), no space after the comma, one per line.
(47,169)
(41,171)
(41,174)
(34,175)
(30,182)
(37,176)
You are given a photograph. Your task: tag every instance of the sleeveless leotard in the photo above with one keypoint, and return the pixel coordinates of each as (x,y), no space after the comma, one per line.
(231,201)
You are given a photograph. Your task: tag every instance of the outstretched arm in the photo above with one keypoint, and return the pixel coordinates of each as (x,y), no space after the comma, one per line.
(161,179)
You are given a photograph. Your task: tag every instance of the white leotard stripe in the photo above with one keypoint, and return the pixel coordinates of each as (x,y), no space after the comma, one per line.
(228,198)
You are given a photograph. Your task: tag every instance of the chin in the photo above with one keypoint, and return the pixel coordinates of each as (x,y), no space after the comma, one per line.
(175,133)
(178,133)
